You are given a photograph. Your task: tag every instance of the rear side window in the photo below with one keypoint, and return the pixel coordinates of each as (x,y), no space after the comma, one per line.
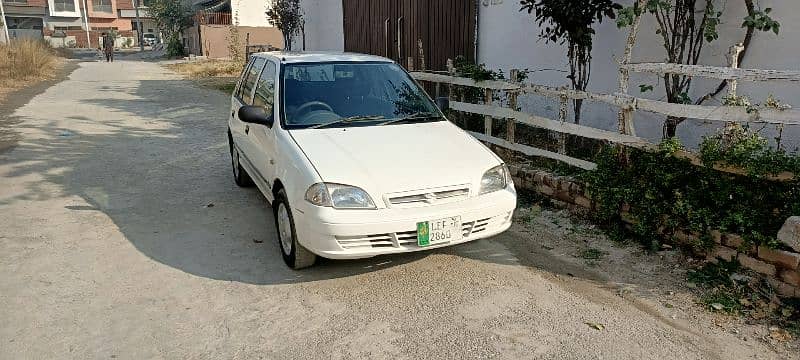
(265,89)
(246,92)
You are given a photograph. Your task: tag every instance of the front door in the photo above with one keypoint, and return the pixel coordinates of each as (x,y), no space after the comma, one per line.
(244,96)
(262,137)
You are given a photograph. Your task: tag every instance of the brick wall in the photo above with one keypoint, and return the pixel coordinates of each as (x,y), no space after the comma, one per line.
(80,37)
(780,267)
(124,4)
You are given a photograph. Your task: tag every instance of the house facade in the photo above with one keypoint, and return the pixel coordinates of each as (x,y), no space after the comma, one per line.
(64,22)
(218,21)
(506,38)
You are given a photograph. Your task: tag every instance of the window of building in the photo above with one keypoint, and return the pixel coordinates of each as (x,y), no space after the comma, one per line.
(65,28)
(102,6)
(64,5)
(16,2)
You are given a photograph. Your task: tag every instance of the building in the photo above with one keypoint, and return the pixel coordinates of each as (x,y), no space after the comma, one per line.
(64,22)
(25,18)
(504,38)
(217,21)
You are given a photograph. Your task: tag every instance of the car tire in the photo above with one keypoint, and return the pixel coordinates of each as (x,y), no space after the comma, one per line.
(240,175)
(294,255)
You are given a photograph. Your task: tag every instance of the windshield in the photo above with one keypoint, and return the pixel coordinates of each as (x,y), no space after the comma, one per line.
(350,94)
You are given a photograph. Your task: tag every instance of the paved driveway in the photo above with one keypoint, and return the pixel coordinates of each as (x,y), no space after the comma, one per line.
(123,236)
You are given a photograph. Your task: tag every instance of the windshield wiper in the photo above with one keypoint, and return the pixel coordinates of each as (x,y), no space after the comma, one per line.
(422,115)
(348,120)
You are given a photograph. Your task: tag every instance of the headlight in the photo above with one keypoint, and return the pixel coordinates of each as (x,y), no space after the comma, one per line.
(495,179)
(339,196)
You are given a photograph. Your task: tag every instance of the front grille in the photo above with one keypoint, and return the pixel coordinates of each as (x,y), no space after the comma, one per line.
(436,196)
(365,242)
(408,239)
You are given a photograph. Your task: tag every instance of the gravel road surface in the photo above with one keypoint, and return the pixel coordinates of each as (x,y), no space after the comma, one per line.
(122,235)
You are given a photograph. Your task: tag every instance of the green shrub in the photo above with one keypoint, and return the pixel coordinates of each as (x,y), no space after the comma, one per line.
(666,193)
(175,46)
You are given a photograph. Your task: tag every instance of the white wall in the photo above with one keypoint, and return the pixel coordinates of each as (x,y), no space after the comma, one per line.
(250,12)
(508,38)
(324,28)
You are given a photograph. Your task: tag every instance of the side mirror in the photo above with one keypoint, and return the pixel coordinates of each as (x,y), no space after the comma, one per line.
(443,103)
(255,115)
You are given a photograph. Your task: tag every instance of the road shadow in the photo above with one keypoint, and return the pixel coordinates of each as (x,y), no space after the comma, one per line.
(152,156)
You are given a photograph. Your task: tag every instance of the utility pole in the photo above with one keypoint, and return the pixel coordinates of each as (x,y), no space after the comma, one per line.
(86,20)
(5,24)
(139,33)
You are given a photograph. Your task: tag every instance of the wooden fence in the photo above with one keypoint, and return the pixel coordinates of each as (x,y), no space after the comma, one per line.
(626,103)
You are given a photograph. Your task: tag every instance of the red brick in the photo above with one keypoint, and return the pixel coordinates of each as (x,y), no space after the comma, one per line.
(779,257)
(733,240)
(783,289)
(546,190)
(716,235)
(583,202)
(757,265)
(790,276)
(721,252)
(736,242)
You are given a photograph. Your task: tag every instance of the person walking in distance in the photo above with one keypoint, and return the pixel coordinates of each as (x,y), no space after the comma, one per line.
(108,46)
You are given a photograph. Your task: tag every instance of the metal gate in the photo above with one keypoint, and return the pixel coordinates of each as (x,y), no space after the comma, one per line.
(404,30)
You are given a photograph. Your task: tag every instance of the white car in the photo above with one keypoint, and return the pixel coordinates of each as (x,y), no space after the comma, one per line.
(358,161)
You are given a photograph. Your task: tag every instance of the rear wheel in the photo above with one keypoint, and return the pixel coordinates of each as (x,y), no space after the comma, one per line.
(240,175)
(294,254)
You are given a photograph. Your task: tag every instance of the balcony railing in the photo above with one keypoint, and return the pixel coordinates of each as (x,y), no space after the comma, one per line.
(212,18)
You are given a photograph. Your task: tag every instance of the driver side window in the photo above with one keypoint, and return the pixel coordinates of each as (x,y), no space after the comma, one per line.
(265,88)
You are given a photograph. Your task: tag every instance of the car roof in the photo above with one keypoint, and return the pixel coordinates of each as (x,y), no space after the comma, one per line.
(319,56)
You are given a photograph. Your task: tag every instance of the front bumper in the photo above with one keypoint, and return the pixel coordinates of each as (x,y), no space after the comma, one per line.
(354,234)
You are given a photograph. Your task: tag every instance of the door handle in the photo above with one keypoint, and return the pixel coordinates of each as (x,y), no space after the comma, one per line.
(247,129)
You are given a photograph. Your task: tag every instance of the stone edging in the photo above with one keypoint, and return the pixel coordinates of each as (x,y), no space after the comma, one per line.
(781,268)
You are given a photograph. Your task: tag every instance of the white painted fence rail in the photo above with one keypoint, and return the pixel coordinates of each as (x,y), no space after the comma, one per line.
(623,101)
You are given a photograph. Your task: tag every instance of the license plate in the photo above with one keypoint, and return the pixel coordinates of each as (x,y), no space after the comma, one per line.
(439,231)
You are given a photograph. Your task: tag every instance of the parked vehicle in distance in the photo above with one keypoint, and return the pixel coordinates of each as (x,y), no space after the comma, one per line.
(357,161)
(150,39)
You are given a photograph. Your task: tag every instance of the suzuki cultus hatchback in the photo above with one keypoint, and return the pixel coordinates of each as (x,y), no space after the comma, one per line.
(358,161)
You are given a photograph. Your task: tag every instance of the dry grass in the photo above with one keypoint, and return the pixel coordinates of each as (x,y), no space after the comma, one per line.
(208,68)
(214,74)
(25,62)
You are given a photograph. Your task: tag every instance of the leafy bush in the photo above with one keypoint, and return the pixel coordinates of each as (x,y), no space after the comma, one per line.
(666,193)
(175,46)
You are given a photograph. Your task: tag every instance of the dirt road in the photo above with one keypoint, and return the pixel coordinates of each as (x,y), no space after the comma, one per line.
(123,236)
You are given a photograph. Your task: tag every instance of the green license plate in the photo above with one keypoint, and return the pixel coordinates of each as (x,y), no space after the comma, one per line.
(439,231)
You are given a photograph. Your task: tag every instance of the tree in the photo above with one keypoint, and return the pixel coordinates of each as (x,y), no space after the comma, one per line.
(685,26)
(171,17)
(287,16)
(570,22)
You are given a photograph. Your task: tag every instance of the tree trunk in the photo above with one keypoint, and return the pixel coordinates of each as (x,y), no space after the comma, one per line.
(287,42)
(578,105)
(671,126)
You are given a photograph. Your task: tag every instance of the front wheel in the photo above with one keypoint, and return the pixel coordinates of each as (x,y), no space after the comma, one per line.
(294,254)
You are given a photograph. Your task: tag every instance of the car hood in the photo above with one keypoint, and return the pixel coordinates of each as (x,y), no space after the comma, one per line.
(396,158)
